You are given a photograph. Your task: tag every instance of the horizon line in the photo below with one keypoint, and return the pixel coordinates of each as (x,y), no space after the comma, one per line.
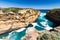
(30,7)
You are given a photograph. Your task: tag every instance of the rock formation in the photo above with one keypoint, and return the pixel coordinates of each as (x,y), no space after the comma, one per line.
(31,34)
(15,18)
(57,29)
(46,35)
(54,16)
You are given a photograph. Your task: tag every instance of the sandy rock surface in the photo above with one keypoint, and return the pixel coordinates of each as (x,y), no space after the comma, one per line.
(11,21)
(31,34)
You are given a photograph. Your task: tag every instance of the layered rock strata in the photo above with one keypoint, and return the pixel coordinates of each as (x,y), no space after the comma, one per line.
(11,21)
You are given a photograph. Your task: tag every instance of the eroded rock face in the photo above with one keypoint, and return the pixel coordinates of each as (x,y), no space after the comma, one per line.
(54,15)
(47,35)
(31,34)
(57,29)
(22,18)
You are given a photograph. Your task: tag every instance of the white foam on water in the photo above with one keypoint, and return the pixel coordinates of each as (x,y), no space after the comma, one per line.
(43,23)
(42,14)
(1,39)
(10,34)
(46,26)
(19,30)
(34,24)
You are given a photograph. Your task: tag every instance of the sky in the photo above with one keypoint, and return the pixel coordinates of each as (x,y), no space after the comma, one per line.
(37,4)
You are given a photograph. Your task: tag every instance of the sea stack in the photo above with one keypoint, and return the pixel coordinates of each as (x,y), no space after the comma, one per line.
(16,18)
(54,16)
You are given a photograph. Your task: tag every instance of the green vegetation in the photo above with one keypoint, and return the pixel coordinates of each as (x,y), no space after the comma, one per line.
(50,36)
(15,10)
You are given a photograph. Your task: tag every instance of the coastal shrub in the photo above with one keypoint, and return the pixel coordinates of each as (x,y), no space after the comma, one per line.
(6,10)
(50,36)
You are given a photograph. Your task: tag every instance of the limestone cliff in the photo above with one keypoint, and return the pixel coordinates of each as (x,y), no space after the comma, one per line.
(15,18)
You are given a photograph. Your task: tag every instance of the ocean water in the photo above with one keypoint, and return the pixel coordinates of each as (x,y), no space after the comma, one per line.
(40,24)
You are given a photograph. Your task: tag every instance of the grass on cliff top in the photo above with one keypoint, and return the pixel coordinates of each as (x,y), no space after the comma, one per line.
(49,36)
(13,9)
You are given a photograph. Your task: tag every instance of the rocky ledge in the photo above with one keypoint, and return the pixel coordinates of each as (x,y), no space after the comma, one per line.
(15,18)
(31,34)
(46,35)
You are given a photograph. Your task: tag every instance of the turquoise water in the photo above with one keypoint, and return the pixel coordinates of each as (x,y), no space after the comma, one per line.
(18,35)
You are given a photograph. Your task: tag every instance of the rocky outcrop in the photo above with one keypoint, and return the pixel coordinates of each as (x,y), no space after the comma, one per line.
(57,29)
(31,34)
(54,15)
(47,35)
(12,19)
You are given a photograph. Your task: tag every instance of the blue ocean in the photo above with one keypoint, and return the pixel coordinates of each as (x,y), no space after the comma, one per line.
(40,24)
